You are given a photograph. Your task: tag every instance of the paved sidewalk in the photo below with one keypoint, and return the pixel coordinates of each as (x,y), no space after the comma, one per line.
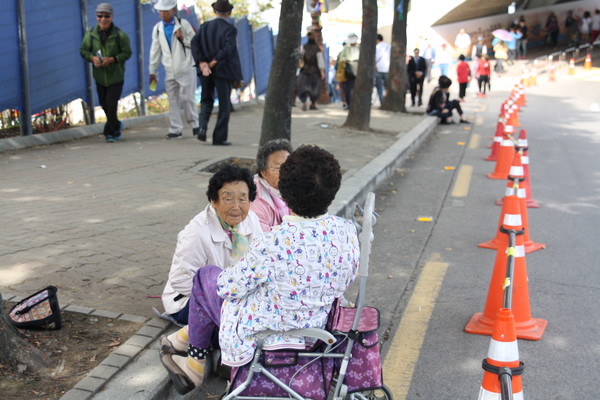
(100,220)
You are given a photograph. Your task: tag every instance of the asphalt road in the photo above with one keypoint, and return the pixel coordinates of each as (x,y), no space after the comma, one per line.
(433,358)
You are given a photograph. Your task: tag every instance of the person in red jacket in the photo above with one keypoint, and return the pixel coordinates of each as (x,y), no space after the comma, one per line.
(483,74)
(463,71)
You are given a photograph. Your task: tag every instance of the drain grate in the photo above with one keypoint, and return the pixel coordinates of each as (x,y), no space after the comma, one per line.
(214,166)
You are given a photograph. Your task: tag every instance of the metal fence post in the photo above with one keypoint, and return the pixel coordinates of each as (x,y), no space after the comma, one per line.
(88,67)
(25,114)
(139,29)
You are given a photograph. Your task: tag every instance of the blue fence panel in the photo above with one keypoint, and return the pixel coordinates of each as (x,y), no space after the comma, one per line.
(53,39)
(10,75)
(190,15)
(263,57)
(244,43)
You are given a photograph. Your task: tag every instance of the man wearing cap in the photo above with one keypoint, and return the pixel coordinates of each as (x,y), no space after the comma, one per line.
(171,44)
(107,48)
(214,49)
(349,56)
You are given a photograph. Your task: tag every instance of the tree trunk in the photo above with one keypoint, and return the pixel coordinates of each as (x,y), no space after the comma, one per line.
(397,83)
(15,351)
(277,117)
(359,115)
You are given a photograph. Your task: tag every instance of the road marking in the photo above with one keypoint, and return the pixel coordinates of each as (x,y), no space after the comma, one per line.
(474,142)
(463,181)
(400,362)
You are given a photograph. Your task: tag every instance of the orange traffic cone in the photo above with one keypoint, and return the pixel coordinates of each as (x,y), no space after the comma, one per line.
(521,100)
(551,74)
(502,353)
(483,323)
(506,153)
(497,139)
(525,79)
(588,62)
(513,118)
(533,78)
(523,146)
(515,176)
(571,67)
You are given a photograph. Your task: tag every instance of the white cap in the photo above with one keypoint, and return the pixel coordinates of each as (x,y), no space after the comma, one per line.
(165,5)
(352,38)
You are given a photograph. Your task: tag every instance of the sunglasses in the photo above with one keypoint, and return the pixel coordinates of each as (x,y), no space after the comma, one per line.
(106,16)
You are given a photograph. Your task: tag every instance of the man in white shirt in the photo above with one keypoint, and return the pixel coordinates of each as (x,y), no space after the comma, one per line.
(171,44)
(382,65)
(463,43)
(429,56)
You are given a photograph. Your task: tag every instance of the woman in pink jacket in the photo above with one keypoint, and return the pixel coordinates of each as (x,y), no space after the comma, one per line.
(268,205)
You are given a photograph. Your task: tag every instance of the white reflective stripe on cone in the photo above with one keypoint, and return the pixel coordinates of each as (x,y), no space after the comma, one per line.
(516,170)
(506,143)
(522,142)
(511,191)
(485,395)
(519,251)
(503,351)
(497,138)
(509,128)
(524,160)
(512,220)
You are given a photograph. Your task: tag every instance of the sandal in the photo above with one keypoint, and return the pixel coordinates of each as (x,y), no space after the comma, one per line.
(180,380)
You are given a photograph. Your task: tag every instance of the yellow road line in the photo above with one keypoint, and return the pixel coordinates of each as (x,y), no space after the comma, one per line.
(400,362)
(474,142)
(463,181)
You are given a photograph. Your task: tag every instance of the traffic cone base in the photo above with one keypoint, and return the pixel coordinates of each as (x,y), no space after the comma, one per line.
(506,153)
(533,329)
(529,202)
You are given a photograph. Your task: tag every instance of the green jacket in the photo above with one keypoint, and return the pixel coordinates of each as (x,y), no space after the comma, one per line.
(114,46)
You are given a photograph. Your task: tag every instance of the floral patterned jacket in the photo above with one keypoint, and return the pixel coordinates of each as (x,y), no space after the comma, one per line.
(288,280)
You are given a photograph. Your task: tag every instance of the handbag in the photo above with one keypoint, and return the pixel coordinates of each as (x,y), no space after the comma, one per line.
(38,311)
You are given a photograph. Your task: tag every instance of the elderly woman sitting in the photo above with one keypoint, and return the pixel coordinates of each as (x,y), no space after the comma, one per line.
(289,278)
(219,235)
(268,205)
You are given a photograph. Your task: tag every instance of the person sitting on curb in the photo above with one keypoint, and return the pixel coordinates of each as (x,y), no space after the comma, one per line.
(268,205)
(219,235)
(440,104)
(289,278)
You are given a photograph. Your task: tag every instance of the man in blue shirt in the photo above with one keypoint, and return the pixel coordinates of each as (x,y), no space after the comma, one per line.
(512,44)
(171,40)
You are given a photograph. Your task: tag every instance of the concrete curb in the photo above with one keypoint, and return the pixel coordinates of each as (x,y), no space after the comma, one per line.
(144,378)
(66,135)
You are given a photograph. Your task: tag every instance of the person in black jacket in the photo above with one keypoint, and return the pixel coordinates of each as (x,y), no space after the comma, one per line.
(416,68)
(215,53)
(440,104)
